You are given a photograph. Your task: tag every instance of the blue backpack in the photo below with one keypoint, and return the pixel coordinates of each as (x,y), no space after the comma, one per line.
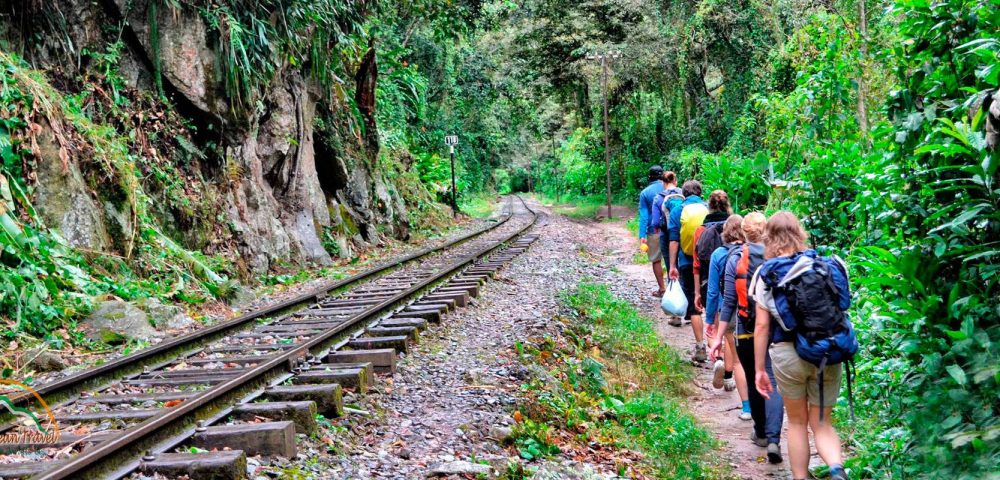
(811,295)
(672,198)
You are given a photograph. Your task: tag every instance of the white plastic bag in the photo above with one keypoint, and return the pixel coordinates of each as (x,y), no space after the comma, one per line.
(674,302)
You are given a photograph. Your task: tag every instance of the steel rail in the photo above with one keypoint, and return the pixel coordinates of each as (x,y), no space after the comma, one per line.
(64,387)
(129,438)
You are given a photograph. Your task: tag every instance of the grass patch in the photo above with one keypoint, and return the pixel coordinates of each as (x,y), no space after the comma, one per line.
(478,205)
(580,206)
(610,381)
(632,225)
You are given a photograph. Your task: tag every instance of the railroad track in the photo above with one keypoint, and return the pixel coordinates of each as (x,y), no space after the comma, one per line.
(247,386)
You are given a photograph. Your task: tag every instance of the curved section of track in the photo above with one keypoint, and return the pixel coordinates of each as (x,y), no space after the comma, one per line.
(284,351)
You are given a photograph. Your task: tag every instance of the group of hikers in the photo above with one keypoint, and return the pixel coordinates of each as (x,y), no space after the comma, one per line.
(767,309)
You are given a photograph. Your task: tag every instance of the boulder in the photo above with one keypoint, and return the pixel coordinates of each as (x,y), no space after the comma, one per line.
(501,433)
(114,321)
(459,467)
(163,316)
(42,360)
(570,470)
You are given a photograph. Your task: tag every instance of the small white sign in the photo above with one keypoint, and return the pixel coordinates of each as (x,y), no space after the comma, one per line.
(451,140)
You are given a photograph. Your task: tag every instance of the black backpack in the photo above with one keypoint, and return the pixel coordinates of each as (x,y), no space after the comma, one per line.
(709,240)
(813,300)
(813,303)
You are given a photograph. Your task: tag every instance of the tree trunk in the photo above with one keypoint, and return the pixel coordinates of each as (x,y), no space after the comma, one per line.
(862,90)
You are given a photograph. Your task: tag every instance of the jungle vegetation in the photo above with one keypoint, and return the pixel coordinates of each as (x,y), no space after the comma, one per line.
(869,119)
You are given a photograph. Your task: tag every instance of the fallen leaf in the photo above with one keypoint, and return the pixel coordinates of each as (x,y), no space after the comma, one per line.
(172,403)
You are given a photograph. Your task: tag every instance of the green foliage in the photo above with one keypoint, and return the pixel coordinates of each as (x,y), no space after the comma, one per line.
(935,290)
(614,383)
(625,334)
(533,440)
(581,206)
(261,38)
(479,205)
(43,280)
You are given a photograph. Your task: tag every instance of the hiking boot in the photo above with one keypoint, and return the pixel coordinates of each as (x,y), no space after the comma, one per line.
(718,370)
(838,473)
(729,384)
(746,416)
(675,321)
(760,442)
(659,293)
(773,453)
(700,353)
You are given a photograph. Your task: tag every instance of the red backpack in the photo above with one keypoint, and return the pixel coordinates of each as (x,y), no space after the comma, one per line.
(751,257)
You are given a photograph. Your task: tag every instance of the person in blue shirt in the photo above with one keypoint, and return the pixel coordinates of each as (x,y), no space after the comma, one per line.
(723,370)
(767,414)
(682,267)
(664,202)
(649,233)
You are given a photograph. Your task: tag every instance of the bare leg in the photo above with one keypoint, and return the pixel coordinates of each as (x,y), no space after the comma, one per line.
(827,440)
(658,273)
(798,436)
(699,328)
(733,365)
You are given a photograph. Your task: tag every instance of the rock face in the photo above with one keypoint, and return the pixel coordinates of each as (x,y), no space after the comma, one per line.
(278,192)
(114,320)
(63,198)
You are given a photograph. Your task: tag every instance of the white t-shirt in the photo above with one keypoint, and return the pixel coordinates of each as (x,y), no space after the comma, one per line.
(762,295)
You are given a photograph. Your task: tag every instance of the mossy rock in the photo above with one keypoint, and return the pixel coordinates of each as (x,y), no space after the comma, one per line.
(347,227)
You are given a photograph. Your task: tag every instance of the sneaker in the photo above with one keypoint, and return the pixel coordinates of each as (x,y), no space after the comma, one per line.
(746,416)
(760,442)
(718,370)
(773,453)
(659,293)
(700,353)
(729,384)
(675,321)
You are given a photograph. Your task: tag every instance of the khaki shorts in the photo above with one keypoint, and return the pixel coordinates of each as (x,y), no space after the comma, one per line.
(653,242)
(797,378)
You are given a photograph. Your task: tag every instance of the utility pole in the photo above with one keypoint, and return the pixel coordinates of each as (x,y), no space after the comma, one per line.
(451,141)
(531,170)
(605,61)
(556,177)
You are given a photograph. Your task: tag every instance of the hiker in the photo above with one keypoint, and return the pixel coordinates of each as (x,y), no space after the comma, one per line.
(727,373)
(708,237)
(738,308)
(649,233)
(666,200)
(801,301)
(684,220)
